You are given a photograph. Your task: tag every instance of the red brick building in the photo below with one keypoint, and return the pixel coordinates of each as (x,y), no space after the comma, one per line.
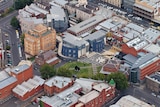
(146,65)
(9,78)
(57,84)
(100,94)
(134,46)
(28,88)
(48,57)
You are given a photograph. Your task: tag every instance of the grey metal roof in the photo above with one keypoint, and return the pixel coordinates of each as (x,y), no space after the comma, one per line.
(130,58)
(7,82)
(73,40)
(19,69)
(156,77)
(143,59)
(86,24)
(94,36)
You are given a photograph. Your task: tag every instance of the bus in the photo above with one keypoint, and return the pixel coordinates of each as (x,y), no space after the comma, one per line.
(17,33)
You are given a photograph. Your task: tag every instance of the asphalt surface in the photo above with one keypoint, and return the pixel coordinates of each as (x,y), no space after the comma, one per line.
(7,28)
(6,4)
(137,92)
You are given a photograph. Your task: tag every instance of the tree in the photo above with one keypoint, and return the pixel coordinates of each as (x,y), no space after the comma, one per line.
(120,80)
(22,39)
(47,71)
(64,71)
(19,4)
(15,23)
(8,47)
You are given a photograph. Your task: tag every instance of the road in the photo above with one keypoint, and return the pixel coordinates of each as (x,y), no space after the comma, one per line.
(137,92)
(7,28)
(6,4)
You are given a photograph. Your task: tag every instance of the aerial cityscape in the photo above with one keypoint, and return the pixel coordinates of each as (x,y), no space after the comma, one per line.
(79,53)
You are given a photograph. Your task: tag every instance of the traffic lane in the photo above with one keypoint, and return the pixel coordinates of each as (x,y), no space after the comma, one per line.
(6,4)
(11,103)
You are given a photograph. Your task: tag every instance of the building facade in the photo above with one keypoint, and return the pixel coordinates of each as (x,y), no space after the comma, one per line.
(57,84)
(40,39)
(128,5)
(153,82)
(117,3)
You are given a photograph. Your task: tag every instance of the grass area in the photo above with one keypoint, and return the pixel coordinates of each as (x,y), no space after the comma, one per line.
(85,70)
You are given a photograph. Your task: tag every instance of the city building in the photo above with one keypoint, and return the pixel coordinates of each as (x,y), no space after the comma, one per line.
(130,101)
(100,94)
(28,88)
(128,5)
(85,26)
(10,77)
(146,8)
(57,84)
(39,39)
(96,41)
(153,82)
(134,46)
(146,64)
(117,3)
(49,57)
(83,93)
(66,98)
(30,16)
(81,9)
(152,48)
(74,47)
(57,19)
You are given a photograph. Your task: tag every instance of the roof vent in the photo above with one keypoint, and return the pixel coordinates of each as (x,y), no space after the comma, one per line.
(17,70)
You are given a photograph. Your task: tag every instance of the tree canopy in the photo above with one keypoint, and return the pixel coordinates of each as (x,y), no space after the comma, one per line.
(64,71)
(15,23)
(19,4)
(47,71)
(120,80)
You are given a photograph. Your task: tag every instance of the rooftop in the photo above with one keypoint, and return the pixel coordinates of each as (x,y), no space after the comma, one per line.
(135,27)
(20,68)
(152,48)
(155,77)
(129,101)
(27,86)
(58,81)
(73,40)
(95,36)
(63,99)
(88,97)
(86,24)
(143,60)
(7,81)
(99,87)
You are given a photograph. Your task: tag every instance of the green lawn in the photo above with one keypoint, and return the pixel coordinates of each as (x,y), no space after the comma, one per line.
(85,70)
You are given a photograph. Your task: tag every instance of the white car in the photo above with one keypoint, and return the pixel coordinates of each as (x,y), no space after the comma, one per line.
(153,94)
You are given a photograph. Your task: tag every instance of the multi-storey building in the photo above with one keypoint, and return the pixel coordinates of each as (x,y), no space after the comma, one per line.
(146,8)
(39,39)
(153,82)
(57,84)
(117,3)
(128,5)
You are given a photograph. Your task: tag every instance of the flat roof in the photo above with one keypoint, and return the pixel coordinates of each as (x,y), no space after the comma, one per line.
(130,101)
(95,36)
(86,24)
(20,68)
(88,97)
(155,77)
(51,60)
(73,40)
(130,58)
(135,27)
(35,7)
(152,48)
(151,34)
(58,81)
(63,99)
(99,87)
